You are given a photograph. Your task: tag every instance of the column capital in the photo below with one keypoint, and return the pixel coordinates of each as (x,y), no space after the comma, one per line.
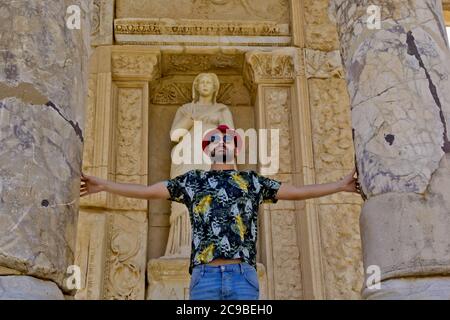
(270,67)
(273,67)
(135,64)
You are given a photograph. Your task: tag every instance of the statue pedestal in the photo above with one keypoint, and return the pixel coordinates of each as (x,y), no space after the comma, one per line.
(169,279)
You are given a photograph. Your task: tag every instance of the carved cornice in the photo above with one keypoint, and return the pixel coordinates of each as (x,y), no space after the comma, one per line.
(199,27)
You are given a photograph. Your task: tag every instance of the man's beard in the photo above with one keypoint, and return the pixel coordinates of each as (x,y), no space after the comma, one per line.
(226,157)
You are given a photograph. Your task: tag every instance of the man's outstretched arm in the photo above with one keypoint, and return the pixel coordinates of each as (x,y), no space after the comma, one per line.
(290,192)
(92,185)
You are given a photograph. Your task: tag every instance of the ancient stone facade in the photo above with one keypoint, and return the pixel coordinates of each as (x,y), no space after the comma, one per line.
(279,69)
(282,64)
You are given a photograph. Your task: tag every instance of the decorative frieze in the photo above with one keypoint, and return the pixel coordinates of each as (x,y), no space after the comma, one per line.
(199,27)
(194,64)
(178,91)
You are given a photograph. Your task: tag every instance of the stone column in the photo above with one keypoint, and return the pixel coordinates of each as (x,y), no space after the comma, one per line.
(399,86)
(42,92)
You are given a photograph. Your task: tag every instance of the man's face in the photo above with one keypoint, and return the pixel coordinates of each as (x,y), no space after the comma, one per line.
(222,148)
(205,86)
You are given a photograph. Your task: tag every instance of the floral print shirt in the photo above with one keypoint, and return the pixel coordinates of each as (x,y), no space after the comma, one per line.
(223,209)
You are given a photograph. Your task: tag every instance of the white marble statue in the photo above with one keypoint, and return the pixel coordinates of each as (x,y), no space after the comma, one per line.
(204,108)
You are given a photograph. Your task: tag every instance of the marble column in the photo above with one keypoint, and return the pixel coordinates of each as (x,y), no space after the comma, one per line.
(43,69)
(399,86)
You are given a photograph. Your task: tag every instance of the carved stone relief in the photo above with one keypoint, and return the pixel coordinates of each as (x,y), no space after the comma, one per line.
(285,251)
(275,10)
(135,65)
(194,27)
(196,63)
(178,90)
(102,16)
(125,265)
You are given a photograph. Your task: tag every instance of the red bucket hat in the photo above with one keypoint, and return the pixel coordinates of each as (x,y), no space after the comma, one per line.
(224,129)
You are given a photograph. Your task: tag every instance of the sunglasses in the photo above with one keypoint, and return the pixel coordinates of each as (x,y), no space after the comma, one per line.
(217,138)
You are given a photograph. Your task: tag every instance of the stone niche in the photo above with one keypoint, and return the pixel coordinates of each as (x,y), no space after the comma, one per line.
(170,92)
(256,86)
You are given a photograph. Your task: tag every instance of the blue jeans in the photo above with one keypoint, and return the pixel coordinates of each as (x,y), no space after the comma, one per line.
(226,282)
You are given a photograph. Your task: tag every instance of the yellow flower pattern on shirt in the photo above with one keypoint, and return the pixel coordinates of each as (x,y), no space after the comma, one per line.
(223,209)
(241,226)
(204,205)
(240,182)
(207,254)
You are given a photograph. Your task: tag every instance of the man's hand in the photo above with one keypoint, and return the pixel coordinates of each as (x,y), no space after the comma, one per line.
(91,185)
(349,183)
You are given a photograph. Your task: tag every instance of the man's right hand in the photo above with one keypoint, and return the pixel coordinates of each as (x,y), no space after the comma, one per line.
(91,185)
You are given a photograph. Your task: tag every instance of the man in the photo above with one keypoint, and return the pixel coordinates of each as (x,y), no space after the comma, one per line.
(223,207)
